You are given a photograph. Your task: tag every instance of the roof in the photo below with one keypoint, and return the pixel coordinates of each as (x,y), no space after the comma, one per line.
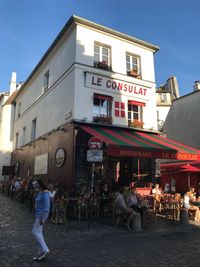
(11,98)
(77,20)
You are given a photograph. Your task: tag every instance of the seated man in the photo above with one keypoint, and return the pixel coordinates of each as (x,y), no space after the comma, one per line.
(134,203)
(187,199)
(122,208)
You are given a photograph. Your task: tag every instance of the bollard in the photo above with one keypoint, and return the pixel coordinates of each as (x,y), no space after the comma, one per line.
(137,227)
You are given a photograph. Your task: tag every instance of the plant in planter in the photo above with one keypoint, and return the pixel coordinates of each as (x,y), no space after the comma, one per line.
(103,65)
(136,124)
(134,73)
(103,119)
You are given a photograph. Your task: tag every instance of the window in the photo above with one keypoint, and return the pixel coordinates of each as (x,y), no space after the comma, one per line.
(102,106)
(19,110)
(16,140)
(102,57)
(135,113)
(33,129)
(133,65)
(46,81)
(163,97)
(23,136)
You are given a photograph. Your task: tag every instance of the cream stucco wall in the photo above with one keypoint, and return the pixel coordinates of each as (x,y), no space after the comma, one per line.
(182,122)
(5,134)
(68,96)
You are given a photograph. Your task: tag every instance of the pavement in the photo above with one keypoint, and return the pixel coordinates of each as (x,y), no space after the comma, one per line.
(166,244)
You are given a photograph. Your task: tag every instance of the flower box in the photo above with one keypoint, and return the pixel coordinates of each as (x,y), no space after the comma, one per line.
(102,65)
(136,124)
(103,119)
(134,73)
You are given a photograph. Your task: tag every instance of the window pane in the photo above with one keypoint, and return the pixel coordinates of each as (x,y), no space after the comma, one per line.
(129,115)
(127,58)
(134,60)
(104,58)
(135,116)
(96,49)
(96,57)
(135,108)
(105,51)
(96,102)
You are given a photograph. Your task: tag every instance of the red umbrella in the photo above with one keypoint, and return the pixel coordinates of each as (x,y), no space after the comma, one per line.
(189,168)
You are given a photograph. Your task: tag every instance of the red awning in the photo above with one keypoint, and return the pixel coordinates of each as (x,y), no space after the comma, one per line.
(103,97)
(131,143)
(189,168)
(136,103)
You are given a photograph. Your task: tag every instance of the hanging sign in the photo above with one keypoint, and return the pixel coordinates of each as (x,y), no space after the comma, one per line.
(95,143)
(94,155)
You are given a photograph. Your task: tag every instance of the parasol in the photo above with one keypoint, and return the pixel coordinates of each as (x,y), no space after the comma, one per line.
(189,168)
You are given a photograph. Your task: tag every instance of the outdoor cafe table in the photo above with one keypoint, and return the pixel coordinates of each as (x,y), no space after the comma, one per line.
(196,203)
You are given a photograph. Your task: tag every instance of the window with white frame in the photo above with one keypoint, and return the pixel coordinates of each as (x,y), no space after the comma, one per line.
(46,81)
(133,65)
(163,97)
(102,56)
(16,140)
(102,106)
(33,129)
(135,113)
(23,135)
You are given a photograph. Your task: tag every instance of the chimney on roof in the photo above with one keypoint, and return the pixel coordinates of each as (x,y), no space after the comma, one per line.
(13,83)
(196,86)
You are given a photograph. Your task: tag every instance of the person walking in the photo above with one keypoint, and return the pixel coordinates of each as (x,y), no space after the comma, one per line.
(42,207)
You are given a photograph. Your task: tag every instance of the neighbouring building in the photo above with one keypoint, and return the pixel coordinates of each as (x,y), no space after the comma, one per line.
(165,95)
(88,109)
(182,125)
(6,126)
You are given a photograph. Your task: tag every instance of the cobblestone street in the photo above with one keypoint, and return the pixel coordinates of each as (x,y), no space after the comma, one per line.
(74,244)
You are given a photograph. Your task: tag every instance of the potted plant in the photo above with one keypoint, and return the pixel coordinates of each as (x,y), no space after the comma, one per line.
(103,65)
(134,73)
(136,124)
(103,119)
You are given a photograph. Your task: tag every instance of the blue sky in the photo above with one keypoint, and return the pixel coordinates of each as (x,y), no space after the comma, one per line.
(28,27)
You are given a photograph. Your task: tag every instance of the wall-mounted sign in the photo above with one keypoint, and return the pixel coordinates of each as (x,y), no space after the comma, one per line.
(95,155)
(95,143)
(41,164)
(116,86)
(60,156)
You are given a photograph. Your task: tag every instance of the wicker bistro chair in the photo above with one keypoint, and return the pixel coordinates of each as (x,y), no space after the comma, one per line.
(59,211)
(81,208)
(170,205)
(149,215)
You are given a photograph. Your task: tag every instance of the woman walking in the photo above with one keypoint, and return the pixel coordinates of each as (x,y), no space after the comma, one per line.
(42,207)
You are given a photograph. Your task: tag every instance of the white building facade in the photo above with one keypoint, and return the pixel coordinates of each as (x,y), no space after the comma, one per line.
(91,76)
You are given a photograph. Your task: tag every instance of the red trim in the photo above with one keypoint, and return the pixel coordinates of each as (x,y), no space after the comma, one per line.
(104,97)
(136,103)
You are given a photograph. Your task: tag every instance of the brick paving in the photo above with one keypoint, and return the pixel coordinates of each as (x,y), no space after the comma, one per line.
(74,245)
